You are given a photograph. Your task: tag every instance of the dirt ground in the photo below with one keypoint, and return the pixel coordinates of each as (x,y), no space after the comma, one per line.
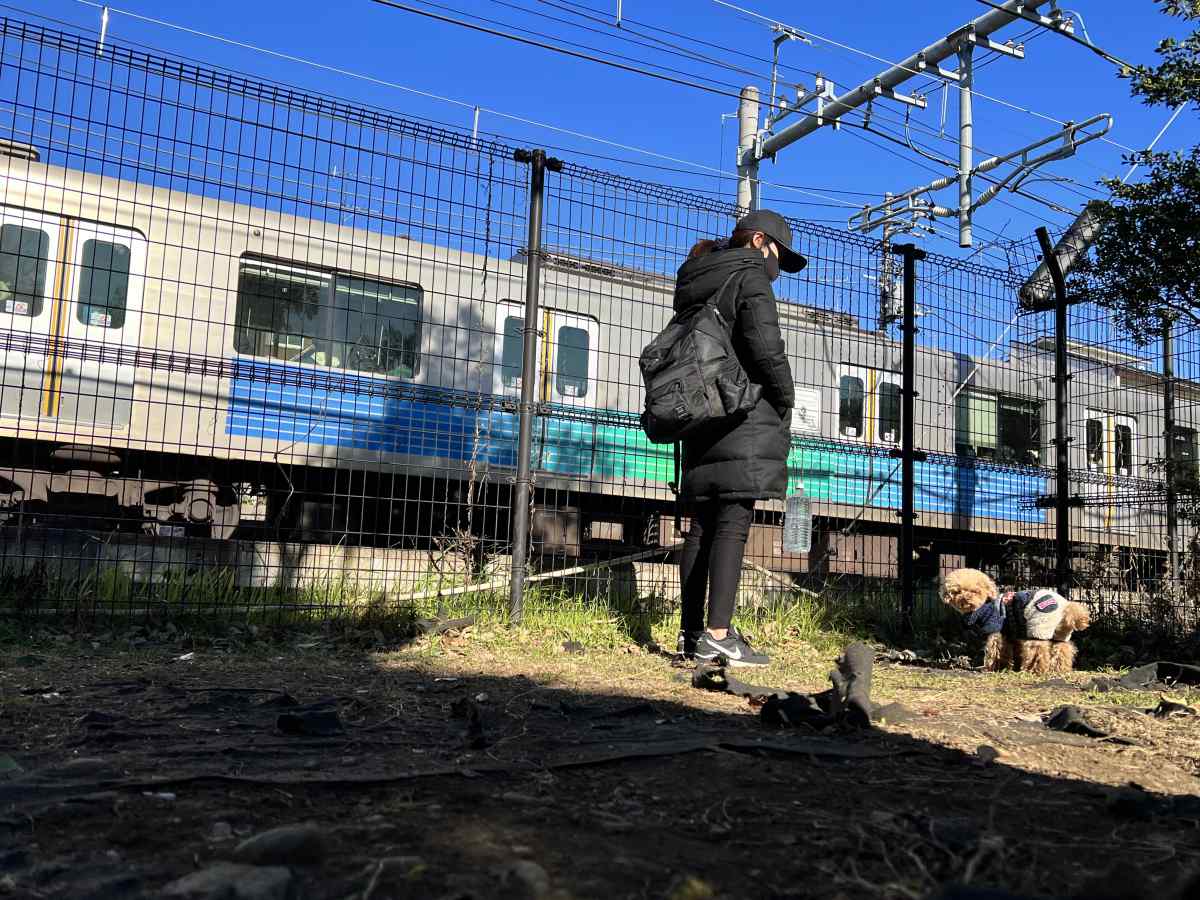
(464,768)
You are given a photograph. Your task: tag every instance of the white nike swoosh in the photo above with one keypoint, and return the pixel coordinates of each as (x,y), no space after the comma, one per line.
(733,654)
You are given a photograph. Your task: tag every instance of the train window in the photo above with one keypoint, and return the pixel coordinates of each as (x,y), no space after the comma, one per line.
(1124,448)
(24,254)
(1185,455)
(341,321)
(279,314)
(889,412)
(850,406)
(572,375)
(1095,445)
(975,431)
(512,351)
(1019,431)
(376,327)
(103,284)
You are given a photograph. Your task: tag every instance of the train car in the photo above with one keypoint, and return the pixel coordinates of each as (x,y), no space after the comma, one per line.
(170,357)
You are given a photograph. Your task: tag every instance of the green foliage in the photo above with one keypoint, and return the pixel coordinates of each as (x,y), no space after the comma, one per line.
(1177,78)
(1143,264)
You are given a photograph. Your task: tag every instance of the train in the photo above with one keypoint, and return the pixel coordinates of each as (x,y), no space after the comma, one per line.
(184,365)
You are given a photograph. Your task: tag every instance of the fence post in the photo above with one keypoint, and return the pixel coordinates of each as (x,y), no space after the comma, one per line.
(1062,440)
(523,486)
(1168,366)
(908,453)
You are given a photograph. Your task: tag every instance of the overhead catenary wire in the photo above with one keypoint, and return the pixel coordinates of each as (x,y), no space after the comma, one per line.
(625,34)
(555,41)
(699,168)
(554,48)
(626,21)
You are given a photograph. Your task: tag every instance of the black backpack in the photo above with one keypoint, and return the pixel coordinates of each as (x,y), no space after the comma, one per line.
(693,378)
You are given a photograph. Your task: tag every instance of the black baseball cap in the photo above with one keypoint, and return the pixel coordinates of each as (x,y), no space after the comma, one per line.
(774,226)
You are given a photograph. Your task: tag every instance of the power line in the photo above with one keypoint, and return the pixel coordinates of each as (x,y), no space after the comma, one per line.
(698,168)
(569,43)
(680,36)
(629,35)
(544,45)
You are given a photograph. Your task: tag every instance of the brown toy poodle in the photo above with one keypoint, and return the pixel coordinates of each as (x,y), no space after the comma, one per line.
(1025,630)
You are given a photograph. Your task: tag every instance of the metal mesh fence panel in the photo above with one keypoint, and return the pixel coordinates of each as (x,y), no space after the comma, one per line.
(262,354)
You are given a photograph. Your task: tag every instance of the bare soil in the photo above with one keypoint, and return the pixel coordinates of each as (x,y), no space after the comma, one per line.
(125,768)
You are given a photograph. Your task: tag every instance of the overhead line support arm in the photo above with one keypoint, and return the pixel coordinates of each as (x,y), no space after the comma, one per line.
(890,79)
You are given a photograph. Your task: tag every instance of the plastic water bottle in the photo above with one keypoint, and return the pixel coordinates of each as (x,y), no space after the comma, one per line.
(797,524)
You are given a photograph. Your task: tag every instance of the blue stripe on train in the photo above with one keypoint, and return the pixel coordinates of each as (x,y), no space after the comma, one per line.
(332,413)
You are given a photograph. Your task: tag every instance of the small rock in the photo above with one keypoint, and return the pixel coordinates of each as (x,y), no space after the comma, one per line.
(986,755)
(289,844)
(532,877)
(229,881)
(481,698)
(221,831)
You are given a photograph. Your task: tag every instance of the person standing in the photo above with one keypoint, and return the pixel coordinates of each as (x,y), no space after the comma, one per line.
(727,469)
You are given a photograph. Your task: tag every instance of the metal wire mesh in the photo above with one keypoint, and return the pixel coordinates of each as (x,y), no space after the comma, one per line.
(262,354)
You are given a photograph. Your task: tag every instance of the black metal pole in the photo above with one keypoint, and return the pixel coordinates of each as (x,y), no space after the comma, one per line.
(1062,440)
(1169,456)
(908,455)
(523,486)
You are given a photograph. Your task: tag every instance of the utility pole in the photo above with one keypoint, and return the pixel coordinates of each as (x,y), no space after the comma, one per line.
(748,192)
(966,138)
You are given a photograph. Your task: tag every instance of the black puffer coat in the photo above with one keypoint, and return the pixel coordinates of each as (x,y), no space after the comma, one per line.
(748,459)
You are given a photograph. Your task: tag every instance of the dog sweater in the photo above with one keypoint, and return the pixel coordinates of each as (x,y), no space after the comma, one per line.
(987,619)
(1035,615)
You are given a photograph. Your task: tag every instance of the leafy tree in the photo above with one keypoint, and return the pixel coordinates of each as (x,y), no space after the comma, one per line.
(1145,262)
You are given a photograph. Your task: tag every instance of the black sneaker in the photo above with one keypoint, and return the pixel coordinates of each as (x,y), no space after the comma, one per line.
(734,648)
(685,645)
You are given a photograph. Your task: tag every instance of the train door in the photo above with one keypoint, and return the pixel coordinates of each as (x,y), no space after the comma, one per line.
(566,383)
(1111,455)
(99,325)
(31,246)
(868,405)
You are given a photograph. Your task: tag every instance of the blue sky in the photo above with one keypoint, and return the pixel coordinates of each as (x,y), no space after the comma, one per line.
(1057,80)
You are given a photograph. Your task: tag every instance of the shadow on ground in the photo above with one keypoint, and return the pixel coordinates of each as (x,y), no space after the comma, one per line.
(120,775)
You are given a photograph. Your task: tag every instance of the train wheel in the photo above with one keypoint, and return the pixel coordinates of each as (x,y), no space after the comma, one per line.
(204,503)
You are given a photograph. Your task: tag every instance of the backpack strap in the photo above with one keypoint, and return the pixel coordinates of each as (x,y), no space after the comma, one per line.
(715,300)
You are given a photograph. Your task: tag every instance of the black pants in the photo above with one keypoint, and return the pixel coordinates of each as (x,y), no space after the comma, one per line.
(712,561)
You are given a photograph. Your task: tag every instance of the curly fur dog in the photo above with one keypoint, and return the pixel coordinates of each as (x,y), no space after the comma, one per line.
(1026,630)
